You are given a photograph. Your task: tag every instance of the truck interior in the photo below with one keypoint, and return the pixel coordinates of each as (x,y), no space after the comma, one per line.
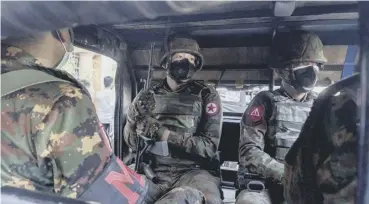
(234,38)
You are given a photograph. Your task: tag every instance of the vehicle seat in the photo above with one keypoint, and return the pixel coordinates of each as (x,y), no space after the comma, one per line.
(11,195)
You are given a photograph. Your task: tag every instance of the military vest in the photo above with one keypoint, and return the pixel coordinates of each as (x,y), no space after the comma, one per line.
(290,116)
(179,112)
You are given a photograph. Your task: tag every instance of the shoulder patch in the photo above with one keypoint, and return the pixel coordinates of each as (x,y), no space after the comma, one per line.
(256,113)
(212,108)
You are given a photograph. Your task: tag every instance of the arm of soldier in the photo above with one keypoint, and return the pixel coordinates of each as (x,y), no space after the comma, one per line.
(293,175)
(253,128)
(71,140)
(332,147)
(142,105)
(336,171)
(206,143)
(130,136)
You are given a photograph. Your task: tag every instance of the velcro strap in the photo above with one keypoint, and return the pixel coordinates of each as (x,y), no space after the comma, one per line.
(19,79)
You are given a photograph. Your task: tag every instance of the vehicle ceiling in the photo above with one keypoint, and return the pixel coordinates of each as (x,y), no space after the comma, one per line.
(234,36)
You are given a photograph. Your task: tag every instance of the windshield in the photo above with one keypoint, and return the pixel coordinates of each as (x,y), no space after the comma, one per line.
(235,101)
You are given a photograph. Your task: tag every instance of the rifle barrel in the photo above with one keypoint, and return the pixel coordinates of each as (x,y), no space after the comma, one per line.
(149,71)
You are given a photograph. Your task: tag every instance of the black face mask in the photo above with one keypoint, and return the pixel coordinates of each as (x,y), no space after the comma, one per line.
(181,70)
(304,79)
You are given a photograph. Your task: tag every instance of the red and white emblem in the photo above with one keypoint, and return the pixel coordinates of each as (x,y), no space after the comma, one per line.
(256,113)
(212,109)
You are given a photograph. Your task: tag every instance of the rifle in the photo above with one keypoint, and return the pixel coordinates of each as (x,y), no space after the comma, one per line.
(145,144)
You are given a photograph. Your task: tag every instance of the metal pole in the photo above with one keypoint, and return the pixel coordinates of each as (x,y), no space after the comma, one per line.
(149,71)
(362,196)
(271,82)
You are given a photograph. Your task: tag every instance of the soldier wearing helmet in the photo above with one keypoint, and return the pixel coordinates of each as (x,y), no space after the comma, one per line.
(188,116)
(273,120)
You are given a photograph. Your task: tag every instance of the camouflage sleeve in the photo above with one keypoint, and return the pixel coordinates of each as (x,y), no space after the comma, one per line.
(130,136)
(143,101)
(71,139)
(333,152)
(253,128)
(205,144)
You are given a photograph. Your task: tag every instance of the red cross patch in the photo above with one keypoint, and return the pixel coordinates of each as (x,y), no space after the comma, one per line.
(256,113)
(212,109)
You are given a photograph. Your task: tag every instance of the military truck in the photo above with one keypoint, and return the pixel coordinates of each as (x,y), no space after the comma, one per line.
(234,38)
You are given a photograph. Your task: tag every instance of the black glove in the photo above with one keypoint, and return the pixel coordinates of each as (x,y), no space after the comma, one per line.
(145,102)
(149,127)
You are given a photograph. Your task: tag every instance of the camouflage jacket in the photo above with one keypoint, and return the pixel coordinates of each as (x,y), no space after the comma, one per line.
(258,131)
(202,139)
(328,139)
(50,135)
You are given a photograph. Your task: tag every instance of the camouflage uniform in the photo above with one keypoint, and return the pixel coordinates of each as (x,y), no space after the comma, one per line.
(269,126)
(273,120)
(51,140)
(325,152)
(194,117)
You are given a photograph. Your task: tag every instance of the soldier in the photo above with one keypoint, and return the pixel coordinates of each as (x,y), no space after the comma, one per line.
(327,147)
(188,115)
(51,140)
(273,120)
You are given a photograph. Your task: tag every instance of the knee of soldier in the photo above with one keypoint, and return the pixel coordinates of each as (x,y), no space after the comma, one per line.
(246,197)
(189,194)
(196,196)
(187,190)
(202,176)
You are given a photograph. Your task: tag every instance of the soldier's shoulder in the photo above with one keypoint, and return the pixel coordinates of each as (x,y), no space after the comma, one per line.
(156,83)
(57,90)
(267,95)
(155,86)
(46,94)
(201,86)
(312,95)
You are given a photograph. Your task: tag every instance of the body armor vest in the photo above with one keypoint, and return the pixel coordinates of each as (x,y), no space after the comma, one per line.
(290,116)
(179,112)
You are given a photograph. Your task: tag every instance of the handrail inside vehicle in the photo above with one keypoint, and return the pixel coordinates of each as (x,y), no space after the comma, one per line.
(362,193)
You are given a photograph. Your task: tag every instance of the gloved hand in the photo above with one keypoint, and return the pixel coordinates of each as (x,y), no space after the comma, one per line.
(145,102)
(143,105)
(150,128)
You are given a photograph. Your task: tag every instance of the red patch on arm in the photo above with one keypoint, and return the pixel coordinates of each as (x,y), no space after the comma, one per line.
(256,113)
(212,108)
